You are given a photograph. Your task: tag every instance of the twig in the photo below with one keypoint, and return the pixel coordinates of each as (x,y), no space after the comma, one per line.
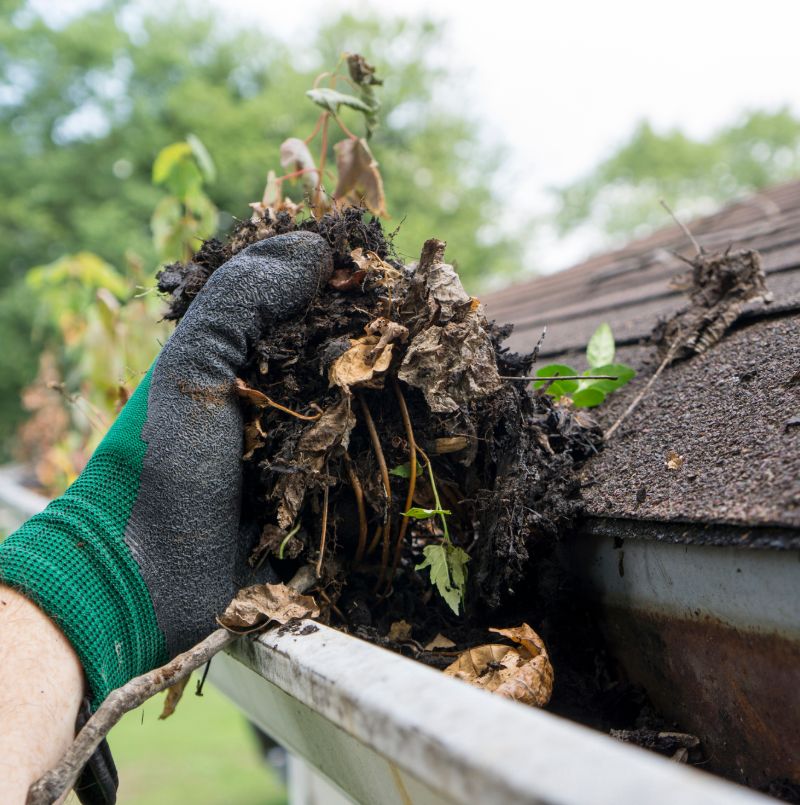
(682,226)
(362,514)
(324,527)
(56,782)
(376,445)
(412,479)
(562,377)
(638,398)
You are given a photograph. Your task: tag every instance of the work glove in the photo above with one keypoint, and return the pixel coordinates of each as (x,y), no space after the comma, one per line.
(135,560)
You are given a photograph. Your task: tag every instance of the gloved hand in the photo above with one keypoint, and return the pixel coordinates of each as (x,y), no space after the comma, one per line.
(139,555)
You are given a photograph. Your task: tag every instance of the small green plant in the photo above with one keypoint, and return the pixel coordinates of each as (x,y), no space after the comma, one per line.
(183,219)
(601,378)
(447,562)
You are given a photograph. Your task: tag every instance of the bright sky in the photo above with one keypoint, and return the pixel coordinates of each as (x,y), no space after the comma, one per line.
(567,81)
(562,83)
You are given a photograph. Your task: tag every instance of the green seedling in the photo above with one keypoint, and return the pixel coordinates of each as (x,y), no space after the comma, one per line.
(603,377)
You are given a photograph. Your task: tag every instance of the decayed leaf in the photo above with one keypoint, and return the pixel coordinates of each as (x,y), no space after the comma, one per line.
(452,365)
(362,366)
(523,674)
(439,642)
(261,604)
(345,280)
(330,432)
(278,542)
(359,181)
(296,156)
(673,461)
(399,630)
(718,285)
(174,694)
(254,437)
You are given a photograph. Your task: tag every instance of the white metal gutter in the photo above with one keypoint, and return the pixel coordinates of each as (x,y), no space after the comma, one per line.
(387,730)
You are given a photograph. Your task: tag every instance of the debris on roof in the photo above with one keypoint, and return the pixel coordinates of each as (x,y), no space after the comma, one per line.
(727,412)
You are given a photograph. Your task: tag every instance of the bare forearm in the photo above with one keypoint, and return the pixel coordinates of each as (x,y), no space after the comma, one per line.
(41,687)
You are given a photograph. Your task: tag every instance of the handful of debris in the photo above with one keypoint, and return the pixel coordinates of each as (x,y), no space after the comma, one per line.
(387,441)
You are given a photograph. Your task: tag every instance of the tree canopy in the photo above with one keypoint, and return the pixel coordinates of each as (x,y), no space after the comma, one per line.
(621,195)
(86,105)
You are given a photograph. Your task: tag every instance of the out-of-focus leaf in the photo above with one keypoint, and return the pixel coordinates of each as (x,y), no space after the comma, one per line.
(600,349)
(418,513)
(296,157)
(621,371)
(588,398)
(174,695)
(255,607)
(167,160)
(332,99)
(448,569)
(202,156)
(559,387)
(522,673)
(359,181)
(404,470)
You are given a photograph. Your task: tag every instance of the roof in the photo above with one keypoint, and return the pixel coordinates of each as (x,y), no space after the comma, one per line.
(728,413)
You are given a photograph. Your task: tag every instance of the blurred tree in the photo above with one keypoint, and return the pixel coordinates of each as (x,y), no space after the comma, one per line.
(86,104)
(621,194)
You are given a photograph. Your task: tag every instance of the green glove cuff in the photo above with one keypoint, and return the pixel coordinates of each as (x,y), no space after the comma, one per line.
(72,560)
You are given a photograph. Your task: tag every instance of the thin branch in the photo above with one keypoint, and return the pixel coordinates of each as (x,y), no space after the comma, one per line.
(638,398)
(322,539)
(59,780)
(376,445)
(682,226)
(562,377)
(362,514)
(412,479)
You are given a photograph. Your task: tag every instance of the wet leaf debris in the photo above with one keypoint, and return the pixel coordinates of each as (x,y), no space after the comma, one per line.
(382,446)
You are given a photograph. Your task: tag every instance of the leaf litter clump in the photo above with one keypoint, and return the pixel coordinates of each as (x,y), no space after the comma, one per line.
(385,447)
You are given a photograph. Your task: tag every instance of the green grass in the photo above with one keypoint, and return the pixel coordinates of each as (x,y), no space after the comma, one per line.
(203,754)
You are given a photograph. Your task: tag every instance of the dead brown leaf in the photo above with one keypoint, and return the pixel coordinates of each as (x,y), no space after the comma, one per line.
(296,157)
(172,698)
(452,365)
(345,280)
(330,432)
(523,674)
(361,366)
(254,437)
(255,607)
(439,642)
(359,181)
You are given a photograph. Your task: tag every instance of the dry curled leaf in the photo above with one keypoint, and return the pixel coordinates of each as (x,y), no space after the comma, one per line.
(173,696)
(261,604)
(254,437)
(296,157)
(521,673)
(361,366)
(359,182)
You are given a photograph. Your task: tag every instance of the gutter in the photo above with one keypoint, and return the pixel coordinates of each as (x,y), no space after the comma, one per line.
(386,730)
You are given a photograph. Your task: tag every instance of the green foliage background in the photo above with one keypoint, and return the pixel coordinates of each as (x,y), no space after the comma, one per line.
(621,195)
(86,106)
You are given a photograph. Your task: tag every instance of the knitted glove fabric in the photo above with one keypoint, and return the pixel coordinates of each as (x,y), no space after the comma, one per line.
(139,555)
